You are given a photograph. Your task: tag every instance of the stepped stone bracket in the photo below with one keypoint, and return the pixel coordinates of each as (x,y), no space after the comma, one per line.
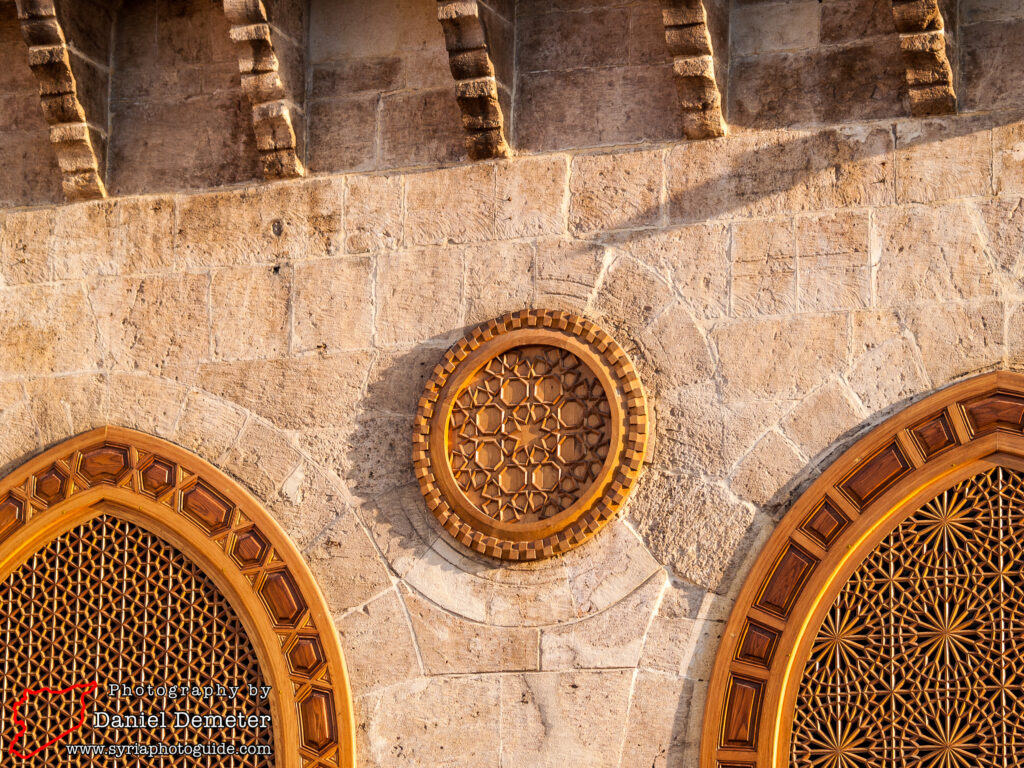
(272,103)
(689,43)
(76,144)
(923,42)
(475,85)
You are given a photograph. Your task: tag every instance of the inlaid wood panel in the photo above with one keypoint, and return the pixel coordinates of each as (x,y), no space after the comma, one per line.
(965,442)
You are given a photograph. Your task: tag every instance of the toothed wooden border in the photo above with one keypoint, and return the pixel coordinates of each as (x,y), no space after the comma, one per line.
(625,469)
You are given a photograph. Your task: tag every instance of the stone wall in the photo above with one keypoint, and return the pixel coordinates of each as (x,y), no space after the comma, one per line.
(780,291)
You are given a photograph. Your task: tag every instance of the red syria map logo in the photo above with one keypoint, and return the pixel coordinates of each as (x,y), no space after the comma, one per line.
(83,689)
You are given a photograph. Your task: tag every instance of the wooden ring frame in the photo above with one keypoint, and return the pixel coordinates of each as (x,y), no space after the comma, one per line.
(219,526)
(605,495)
(885,477)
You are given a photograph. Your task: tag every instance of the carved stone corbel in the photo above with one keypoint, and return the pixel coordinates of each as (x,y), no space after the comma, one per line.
(689,42)
(273,103)
(76,142)
(476,87)
(923,42)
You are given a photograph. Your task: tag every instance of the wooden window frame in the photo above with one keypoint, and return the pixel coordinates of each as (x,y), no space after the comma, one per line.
(928,447)
(218,525)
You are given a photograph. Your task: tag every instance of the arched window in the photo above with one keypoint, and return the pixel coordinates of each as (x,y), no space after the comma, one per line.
(882,624)
(149,602)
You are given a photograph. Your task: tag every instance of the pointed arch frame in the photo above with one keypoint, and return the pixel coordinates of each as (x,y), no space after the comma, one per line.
(218,525)
(882,479)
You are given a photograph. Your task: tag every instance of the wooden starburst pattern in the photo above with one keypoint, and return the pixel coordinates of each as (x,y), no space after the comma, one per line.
(530,434)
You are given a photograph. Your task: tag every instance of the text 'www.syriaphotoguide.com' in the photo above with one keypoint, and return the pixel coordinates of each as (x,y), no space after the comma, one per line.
(167,750)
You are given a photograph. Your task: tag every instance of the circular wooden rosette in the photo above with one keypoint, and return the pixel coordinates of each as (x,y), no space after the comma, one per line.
(530,434)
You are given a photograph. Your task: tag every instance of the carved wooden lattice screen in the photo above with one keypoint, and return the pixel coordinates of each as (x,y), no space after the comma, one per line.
(920,659)
(112,603)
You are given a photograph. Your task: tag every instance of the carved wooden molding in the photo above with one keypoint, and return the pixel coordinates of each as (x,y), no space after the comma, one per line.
(923,44)
(883,480)
(222,529)
(530,434)
(475,85)
(689,43)
(71,135)
(273,100)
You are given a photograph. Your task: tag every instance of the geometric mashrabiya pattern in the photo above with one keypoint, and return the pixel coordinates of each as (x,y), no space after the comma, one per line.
(920,660)
(109,602)
(530,434)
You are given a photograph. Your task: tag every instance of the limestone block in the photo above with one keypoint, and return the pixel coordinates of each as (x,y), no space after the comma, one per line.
(608,106)
(767,474)
(292,393)
(941,159)
(401,527)
(419,295)
(347,566)
(679,624)
(250,310)
(776,27)
(369,450)
(25,244)
(146,403)
(372,664)
(656,726)
(631,294)
(262,459)
(343,133)
(568,272)
(831,84)
(616,191)
(694,527)
(374,218)
(834,261)
(449,644)
(696,258)
(82,238)
(208,426)
(421,128)
(957,339)
(333,305)
(768,174)
(143,237)
(456,589)
(397,376)
(699,434)
(63,406)
(821,418)
(560,718)
(989,81)
(499,279)
(612,638)
(531,196)
(675,345)
(797,353)
(1002,225)
(608,567)
(455,205)
(764,278)
(586,38)
(1008,174)
(20,439)
(934,253)
(887,366)
(156,324)
(48,329)
(263,224)
(449,721)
